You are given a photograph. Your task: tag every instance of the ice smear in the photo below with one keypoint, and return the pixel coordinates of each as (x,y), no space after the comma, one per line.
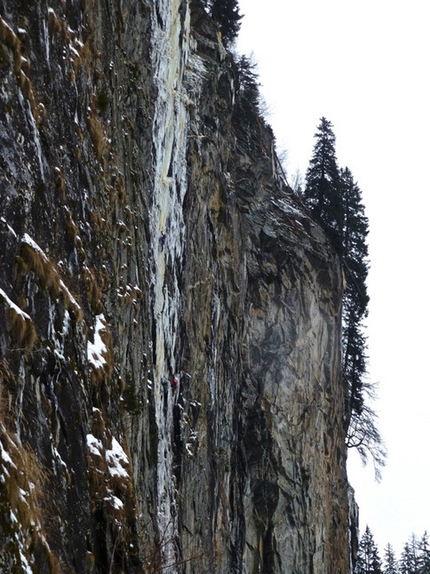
(169,53)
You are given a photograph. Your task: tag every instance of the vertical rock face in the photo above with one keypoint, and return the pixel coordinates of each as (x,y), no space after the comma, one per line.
(165,406)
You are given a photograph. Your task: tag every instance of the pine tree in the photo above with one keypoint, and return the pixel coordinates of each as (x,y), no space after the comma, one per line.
(390,563)
(249,91)
(355,229)
(335,201)
(410,562)
(406,564)
(368,561)
(424,555)
(360,419)
(354,232)
(226,13)
(322,191)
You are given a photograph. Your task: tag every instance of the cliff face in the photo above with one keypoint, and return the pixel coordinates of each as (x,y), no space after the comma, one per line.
(169,408)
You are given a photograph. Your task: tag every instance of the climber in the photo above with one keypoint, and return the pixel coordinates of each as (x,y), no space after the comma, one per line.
(174,383)
(162,240)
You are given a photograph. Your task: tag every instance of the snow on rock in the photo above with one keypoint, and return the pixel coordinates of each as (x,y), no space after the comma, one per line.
(12,305)
(11,231)
(97,350)
(94,445)
(115,501)
(116,458)
(30,241)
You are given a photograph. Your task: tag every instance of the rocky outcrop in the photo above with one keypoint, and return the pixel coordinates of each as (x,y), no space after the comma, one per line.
(166,406)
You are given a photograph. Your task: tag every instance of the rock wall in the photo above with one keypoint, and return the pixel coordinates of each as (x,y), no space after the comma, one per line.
(171,408)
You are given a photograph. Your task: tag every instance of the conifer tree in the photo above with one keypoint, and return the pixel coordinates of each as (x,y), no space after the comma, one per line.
(226,13)
(248,82)
(390,564)
(335,201)
(354,249)
(322,191)
(355,228)
(360,420)
(407,563)
(368,561)
(424,555)
(415,552)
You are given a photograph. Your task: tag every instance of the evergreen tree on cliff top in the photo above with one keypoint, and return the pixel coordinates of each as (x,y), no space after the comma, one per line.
(226,13)
(335,201)
(354,252)
(323,183)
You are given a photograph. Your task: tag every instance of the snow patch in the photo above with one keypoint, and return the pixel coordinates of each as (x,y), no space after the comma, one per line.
(115,458)
(12,305)
(97,350)
(288,208)
(30,241)
(3,220)
(94,445)
(4,455)
(115,501)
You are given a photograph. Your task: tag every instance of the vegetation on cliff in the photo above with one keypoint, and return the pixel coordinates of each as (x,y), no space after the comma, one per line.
(226,14)
(335,201)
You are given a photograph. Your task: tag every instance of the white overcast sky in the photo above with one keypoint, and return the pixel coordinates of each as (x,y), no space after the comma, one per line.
(364,65)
